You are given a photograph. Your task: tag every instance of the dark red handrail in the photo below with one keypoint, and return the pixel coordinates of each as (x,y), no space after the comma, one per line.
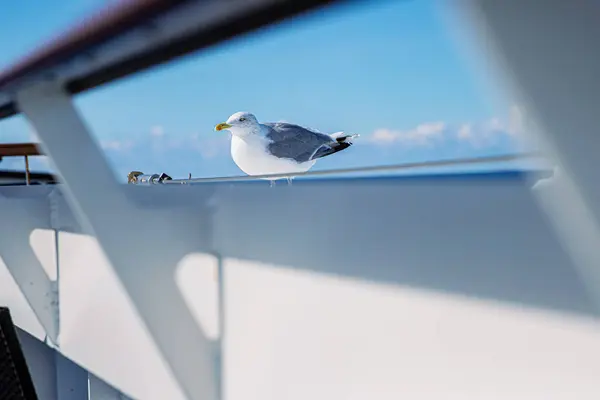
(19,149)
(106,24)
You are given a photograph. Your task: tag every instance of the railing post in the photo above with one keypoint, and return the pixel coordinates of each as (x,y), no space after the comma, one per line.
(27,177)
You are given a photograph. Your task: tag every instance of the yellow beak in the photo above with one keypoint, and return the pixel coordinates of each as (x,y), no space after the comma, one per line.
(222,126)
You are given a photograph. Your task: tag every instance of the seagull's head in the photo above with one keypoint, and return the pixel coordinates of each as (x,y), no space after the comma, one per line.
(240,124)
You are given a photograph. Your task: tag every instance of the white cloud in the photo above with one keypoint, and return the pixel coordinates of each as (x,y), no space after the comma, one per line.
(209,146)
(205,145)
(422,134)
(512,125)
(385,135)
(494,125)
(478,135)
(111,145)
(494,129)
(157,131)
(465,132)
(117,145)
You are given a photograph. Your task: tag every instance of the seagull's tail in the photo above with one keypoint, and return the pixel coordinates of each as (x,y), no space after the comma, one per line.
(341,142)
(341,137)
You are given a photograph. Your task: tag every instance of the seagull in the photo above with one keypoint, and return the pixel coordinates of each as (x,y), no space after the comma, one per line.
(279,147)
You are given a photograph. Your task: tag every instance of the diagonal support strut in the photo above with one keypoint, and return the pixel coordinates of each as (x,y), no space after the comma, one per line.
(103,208)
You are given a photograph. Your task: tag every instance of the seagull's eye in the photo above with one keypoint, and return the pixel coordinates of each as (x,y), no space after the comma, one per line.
(242,119)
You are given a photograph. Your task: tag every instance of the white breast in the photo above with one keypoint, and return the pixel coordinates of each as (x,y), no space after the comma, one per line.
(252,158)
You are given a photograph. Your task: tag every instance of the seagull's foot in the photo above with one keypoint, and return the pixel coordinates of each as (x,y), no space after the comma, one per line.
(271,183)
(289,180)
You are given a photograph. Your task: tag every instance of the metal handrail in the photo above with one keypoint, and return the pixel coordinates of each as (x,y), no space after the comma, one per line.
(371,169)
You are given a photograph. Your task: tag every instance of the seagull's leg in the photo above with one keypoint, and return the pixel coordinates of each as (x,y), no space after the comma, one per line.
(271,183)
(289,180)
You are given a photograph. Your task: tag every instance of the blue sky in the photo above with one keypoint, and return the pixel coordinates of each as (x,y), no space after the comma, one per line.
(391,71)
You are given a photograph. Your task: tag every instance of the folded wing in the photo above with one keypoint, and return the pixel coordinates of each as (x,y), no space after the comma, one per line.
(301,144)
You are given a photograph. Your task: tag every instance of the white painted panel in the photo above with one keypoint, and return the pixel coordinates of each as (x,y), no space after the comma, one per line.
(43,243)
(300,335)
(100,328)
(457,267)
(11,297)
(197,278)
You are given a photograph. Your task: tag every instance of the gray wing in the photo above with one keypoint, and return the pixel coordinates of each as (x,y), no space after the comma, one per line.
(297,143)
